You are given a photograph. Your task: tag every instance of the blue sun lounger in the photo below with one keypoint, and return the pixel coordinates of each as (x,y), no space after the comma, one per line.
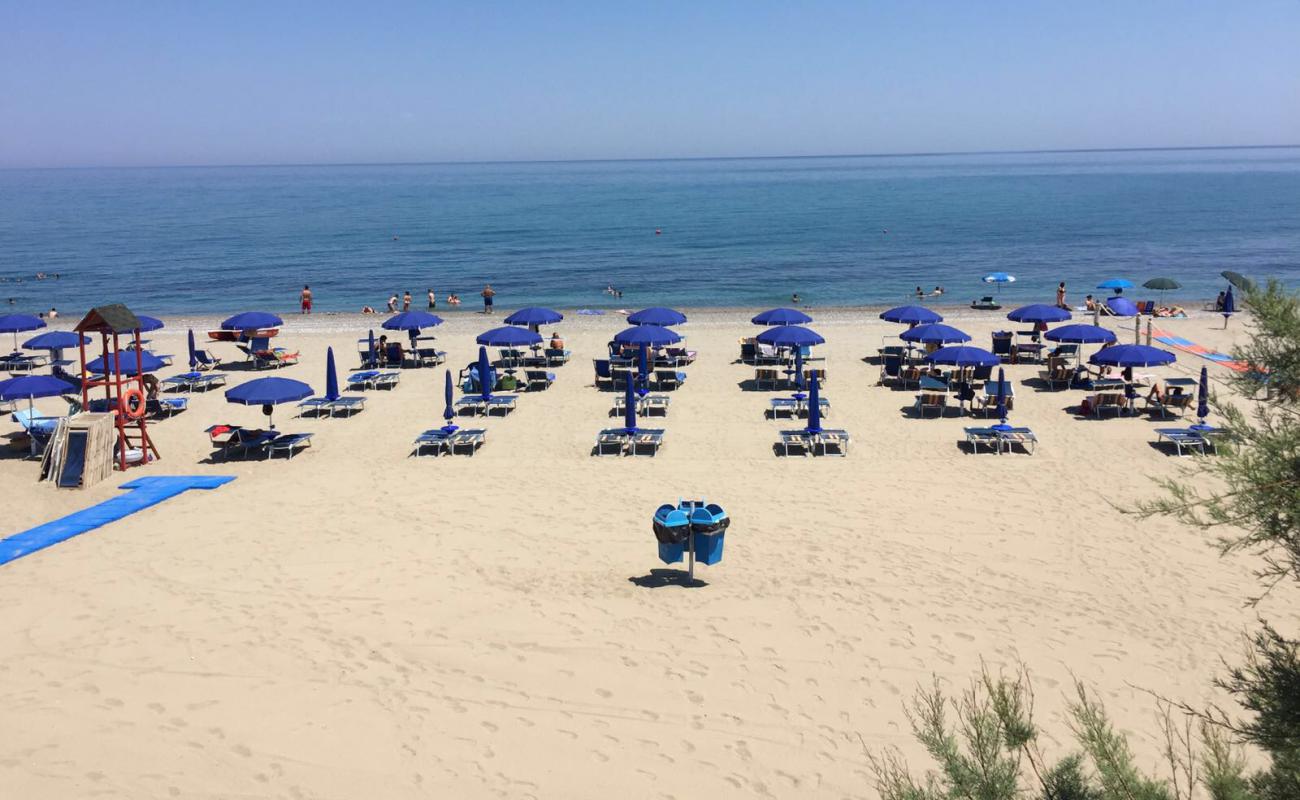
(288,443)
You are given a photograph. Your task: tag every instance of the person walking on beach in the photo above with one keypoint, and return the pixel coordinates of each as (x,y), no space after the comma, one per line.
(1060,296)
(406,301)
(433,300)
(488,293)
(305,299)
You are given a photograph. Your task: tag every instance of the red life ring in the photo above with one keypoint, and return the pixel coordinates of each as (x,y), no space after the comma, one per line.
(131,404)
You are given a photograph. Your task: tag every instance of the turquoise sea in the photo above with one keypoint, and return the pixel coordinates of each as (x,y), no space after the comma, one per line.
(732,232)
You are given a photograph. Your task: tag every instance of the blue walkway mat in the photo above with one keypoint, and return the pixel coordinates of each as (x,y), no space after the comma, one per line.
(141,493)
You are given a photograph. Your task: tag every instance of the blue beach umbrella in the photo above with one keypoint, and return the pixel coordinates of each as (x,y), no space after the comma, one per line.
(17,323)
(934,333)
(798,373)
(251,320)
(371,360)
(30,387)
(1080,334)
(1203,399)
(790,336)
(148,323)
(1002,401)
(643,368)
(268,393)
(130,361)
(449,408)
(411,321)
(508,336)
(55,340)
(781,316)
(911,315)
(534,315)
(662,317)
(814,407)
(963,356)
(629,409)
(1121,307)
(484,374)
(194,359)
(331,376)
(1132,355)
(1229,306)
(652,335)
(1038,312)
(1118,284)
(999,278)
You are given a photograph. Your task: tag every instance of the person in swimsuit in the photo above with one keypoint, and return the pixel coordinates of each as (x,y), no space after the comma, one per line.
(1060,296)
(305,299)
(406,301)
(488,293)
(433,300)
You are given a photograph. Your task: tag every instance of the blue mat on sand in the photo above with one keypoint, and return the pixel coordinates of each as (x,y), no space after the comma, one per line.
(142,493)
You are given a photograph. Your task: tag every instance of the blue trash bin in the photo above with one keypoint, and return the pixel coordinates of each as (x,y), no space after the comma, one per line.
(672,529)
(708,530)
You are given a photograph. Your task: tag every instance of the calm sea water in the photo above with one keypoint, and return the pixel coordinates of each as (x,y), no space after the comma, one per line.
(839,231)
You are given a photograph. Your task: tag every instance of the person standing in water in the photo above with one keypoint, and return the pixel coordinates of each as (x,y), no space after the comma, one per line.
(488,293)
(305,299)
(1060,296)
(406,301)
(433,300)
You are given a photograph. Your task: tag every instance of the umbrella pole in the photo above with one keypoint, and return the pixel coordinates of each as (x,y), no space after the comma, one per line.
(690,560)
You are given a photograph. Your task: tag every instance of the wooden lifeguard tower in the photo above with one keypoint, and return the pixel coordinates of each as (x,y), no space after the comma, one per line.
(123,394)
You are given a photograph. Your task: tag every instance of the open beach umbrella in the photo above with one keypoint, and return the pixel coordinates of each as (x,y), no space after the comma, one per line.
(331,376)
(814,407)
(1229,306)
(1162,285)
(1118,284)
(1038,312)
(509,336)
(963,356)
(652,335)
(18,323)
(484,374)
(934,333)
(56,340)
(911,315)
(449,408)
(790,336)
(781,316)
(1203,398)
(130,361)
(1131,355)
(1002,401)
(148,323)
(411,321)
(268,393)
(534,316)
(657,316)
(999,278)
(1080,334)
(1235,278)
(194,359)
(30,387)
(629,409)
(251,320)
(1121,307)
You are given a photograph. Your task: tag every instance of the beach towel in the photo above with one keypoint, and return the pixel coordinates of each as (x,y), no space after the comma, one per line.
(1188,346)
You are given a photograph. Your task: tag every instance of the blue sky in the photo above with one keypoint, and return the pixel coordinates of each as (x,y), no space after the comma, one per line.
(129,83)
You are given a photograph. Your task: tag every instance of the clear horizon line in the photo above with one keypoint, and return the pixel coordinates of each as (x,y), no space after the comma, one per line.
(470,162)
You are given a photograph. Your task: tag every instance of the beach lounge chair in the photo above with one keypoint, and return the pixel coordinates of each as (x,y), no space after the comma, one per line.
(204,361)
(767,377)
(556,357)
(538,379)
(394,355)
(986,303)
(1198,439)
(645,441)
(766,355)
(1108,401)
(504,403)
(1173,402)
(434,442)
(468,439)
(782,405)
(166,407)
(604,375)
(386,380)
(430,356)
(183,382)
(680,356)
(1000,439)
(891,368)
(1057,375)
(315,406)
(975,437)
(831,442)
(655,404)
(931,401)
(668,379)
(39,428)
(232,440)
(363,379)
(1002,346)
(1148,307)
(290,444)
(472,403)
(209,380)
(273,358)
(795,440)
(611,442)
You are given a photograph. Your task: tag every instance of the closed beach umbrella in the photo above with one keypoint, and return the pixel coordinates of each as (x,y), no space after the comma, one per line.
(18,323)
(781,316)
(911,315)
(1132,355)
(411,321)
(1038,312)
(268,393)
(798,373)
(508,336)
(251,320)
(935,333)
(484,374)
(534,316)
(652,335)
(1002,400)
(370,350)
(999,278)
(1080,334)
(814,407)
(657,316)
(55,340)
(1118,284)
(449,408)
(148,323)
(130,361)
(331,376)
(643,368)
(629,409)
(194,359)
(1235,278)
(29,387)
(1121,307)
(1203,397)
(790,336)
(1229,306)
(963,356)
